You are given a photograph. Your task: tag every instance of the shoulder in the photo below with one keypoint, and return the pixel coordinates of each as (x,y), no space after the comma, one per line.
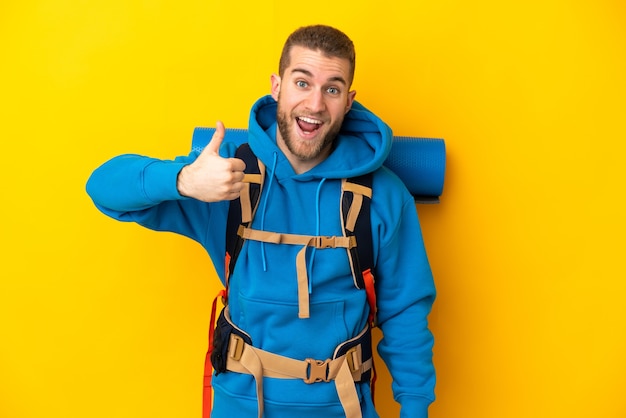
(392,206)
(388,188)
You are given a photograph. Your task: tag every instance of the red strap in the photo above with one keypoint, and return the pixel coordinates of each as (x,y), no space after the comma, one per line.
(370,291)
(207,393)
(227,267)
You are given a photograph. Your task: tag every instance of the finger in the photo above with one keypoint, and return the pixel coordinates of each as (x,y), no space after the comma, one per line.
(233,195)
(238,165)
(217,138)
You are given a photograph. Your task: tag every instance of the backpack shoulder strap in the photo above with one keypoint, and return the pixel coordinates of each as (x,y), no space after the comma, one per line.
(356,196)
(241,210)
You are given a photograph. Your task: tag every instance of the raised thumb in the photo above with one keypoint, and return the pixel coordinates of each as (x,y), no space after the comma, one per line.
(216,140)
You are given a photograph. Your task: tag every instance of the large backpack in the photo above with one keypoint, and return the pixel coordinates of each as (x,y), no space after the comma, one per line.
(356,194)
(420,164)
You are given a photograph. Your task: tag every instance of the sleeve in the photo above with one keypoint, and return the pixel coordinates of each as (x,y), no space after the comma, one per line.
(405,294)
(135,188)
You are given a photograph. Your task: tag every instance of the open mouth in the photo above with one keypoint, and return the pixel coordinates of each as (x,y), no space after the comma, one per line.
(308,125)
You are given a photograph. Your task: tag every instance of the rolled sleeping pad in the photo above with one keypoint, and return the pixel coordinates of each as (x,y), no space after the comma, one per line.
(419,162)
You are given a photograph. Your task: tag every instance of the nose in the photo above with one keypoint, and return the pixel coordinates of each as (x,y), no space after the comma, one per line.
(315,101)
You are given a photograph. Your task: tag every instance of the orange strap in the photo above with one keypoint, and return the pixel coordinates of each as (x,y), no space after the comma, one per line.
(207,393)
(373,382)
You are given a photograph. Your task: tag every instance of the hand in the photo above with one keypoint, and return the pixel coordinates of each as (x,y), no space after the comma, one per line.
(210,177)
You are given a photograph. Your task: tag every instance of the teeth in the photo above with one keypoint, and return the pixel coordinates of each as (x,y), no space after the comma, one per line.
(309,120)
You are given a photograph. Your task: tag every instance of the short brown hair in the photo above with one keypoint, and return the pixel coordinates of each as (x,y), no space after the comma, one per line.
(328,40)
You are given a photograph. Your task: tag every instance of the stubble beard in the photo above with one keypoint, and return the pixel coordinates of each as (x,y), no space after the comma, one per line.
(305,151)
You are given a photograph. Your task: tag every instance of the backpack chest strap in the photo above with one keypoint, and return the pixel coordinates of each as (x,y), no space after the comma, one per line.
(320,242)
(314,241)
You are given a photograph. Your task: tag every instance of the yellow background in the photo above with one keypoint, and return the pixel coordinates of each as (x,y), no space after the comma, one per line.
(104,319)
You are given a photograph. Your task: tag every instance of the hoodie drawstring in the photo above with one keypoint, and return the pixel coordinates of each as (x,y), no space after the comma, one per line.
(267,194)
(304,268)
(317,231)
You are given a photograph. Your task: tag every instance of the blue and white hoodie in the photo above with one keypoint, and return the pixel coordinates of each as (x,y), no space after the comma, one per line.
(263,297)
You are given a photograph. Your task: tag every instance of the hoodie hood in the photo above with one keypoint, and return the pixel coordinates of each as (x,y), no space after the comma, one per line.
(362,145)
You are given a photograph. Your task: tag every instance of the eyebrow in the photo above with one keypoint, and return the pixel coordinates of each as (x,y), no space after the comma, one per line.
(337,78)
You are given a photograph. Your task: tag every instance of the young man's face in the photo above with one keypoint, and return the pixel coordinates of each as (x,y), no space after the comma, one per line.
(313,97)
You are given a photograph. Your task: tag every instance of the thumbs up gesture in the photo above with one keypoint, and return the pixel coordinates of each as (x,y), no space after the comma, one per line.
(210,177)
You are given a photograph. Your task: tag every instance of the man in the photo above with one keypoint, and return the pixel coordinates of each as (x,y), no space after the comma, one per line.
(291,303)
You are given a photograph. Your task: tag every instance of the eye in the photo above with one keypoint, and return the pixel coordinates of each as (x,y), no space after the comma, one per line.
(301,84)
(333,90)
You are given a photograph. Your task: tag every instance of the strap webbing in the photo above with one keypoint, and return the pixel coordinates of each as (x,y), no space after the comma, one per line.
(245,358)
(320,242)
(247,208)
(207,393)
(242,210)
(355,209)
(302,277)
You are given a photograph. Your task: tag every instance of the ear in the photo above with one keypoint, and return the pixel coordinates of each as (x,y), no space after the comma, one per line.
(275,82)
(351,96)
